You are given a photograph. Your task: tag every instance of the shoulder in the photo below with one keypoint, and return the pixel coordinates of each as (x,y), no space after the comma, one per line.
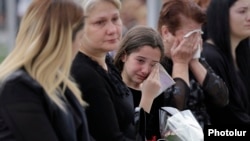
(19,85)
(212,54)
(87,73)
(210,50)
(21,77)
(83,67)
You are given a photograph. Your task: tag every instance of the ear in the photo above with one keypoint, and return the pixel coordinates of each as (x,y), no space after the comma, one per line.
(167,36)
(124,57)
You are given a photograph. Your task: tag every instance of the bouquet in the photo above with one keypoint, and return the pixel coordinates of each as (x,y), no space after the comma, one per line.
(178,125)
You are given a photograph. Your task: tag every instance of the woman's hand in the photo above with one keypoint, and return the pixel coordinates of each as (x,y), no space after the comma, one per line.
(150,88)
(183,50)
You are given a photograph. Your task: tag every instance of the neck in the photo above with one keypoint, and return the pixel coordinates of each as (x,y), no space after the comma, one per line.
(129,82)
(98,57)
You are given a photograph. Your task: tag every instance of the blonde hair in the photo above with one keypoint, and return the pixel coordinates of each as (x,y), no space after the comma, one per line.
(89,4)
(43,46)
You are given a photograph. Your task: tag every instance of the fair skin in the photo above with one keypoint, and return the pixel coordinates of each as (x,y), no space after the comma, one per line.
(181,50)
(239,22)
(141,72)
(138,65)
(102,31)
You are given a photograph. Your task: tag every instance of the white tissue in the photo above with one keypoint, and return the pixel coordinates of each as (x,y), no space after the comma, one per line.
(198,51)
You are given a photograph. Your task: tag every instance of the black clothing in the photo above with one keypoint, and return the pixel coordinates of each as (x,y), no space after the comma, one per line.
(111,110)
(164,99)
(237,111)
(28,114)
(212,94)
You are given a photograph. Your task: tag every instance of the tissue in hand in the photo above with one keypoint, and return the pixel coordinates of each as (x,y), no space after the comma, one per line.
(198,52)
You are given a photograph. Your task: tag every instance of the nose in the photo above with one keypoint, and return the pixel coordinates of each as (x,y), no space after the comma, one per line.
(146,69)
(111,28)
(248,16)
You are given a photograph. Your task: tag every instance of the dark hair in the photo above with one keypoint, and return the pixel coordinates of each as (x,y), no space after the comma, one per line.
(218,30)
(134,39)
(172,10)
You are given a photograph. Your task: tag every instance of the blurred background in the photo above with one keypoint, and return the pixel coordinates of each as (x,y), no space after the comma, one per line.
(133,12)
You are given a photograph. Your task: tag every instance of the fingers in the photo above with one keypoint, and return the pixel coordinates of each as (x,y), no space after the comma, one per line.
(155,72)
(193,42)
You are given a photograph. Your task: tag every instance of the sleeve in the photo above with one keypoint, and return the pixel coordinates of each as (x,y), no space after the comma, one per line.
(234,108)
(24,114)
(101,114)
(214,87)
(140,123)
(176,95)
(5,133)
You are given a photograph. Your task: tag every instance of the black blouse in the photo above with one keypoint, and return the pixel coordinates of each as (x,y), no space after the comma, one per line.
(175,96)
(203,99)
(28,114)
(110,113)
(237,111)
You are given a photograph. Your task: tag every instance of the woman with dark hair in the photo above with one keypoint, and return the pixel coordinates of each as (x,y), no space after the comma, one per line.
(227,51)
(140,51)
(207,90)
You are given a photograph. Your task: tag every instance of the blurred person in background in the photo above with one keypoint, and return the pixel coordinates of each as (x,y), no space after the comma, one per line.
(203,3)
(22,6)
(132,13)
(38,99)
(206,89)
(2,13)
(227,51)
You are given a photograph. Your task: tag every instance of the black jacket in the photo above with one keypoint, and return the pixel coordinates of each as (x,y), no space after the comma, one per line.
(110,114)
(237,111)
(28,114)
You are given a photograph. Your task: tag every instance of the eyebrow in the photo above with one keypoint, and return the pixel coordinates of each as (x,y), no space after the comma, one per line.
(142,57)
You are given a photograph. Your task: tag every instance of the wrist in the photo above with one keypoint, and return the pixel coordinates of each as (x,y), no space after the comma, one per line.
(194,62)
(146,103)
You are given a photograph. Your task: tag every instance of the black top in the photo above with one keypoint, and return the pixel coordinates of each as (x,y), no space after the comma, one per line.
(236,112)
(111,111)
(201,99)
(164,99)
(28,114)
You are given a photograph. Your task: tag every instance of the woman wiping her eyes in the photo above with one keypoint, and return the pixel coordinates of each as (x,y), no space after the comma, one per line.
(206,90)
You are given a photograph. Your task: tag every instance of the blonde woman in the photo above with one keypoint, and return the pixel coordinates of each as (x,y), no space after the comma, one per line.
(38,100)
(111,111)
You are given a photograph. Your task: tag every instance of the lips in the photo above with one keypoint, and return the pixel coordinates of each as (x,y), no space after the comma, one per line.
(112,40)
(141,77)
